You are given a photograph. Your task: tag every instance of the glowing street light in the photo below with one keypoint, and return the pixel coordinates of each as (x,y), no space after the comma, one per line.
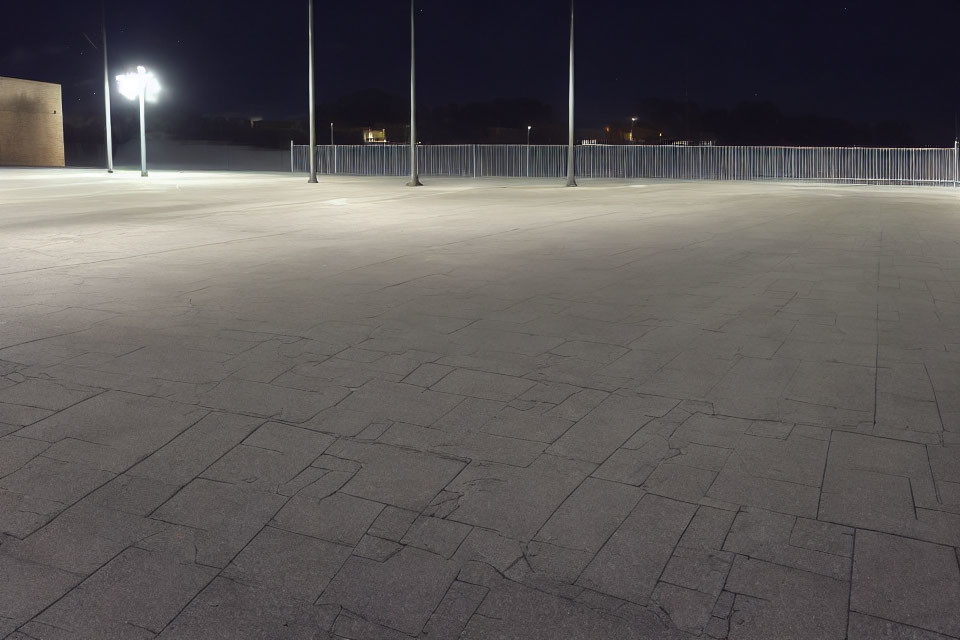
(529,127)
(146,87)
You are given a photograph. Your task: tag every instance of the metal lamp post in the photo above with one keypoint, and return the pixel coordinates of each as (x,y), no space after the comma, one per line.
(145,87)
(571,168)
(106,90)
(313,123)
(414,172)
(529,127)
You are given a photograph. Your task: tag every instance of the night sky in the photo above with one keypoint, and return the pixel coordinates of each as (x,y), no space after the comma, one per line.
(862,61)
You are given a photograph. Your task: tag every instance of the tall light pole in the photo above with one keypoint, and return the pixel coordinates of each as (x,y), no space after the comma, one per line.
(106,87)
(144,87)
(331,134)
(571,168)
(414,173)
(529,127)
(313,123)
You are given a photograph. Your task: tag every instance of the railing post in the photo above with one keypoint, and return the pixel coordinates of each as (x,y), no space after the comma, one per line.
(956,162)
(291,156)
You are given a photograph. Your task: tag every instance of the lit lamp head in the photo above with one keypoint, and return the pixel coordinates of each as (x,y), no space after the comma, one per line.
(131,84)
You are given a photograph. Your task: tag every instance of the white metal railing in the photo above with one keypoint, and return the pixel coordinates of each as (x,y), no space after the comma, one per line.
(864,165)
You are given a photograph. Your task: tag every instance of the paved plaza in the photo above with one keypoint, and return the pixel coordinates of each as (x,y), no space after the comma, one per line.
(245,407)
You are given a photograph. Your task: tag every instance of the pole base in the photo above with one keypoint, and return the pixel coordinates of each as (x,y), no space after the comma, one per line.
(312,181)
(109,170)
(144,174)
(415,182)
(571,182)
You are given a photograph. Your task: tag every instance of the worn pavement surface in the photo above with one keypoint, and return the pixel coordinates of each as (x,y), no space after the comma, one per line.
(247,407)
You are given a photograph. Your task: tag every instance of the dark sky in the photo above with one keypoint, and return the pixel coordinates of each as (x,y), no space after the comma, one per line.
(863,61)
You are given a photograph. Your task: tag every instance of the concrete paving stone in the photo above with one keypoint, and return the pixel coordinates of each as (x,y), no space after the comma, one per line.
(16,452)
(775,601)
(395,476)
(341,422)
(772,429)
(400,402)
(908,581)
(630,563)
(712,431)
(455,610)
(523,339)
(579,404)
(515,612)
(796,459)
(637,364)
(860,354)
(608,426)
(550,568)
(427,374)
(45,394)
(84,537)
(756,379)
(392,523)
(129,424)
(492,360)
(225,518)
(833,385)
(137,590)
(587,518)
(526,425)
(132,494)
(356,628)
(270,457)
(332,372)
(740,485)
(571,327)
(594,351)
(375,548)
(490,548)
(708,529)
(703,570)
(21,416)
(515,501)
(765,535)
(44,487)
(549,392)
(688,610)
(634,466)
(472,446)
(481,384)
(863,627)
(272,400)
(339,518)
(441,537)
(690,375)
(284,562)
(228,610)
(400,593)
(172,363)
(28,587)
(679,482)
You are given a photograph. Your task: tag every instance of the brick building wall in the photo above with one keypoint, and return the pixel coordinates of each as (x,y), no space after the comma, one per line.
(31,123)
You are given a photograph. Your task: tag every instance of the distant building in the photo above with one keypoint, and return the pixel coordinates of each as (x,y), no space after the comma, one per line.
(374,136)
(31,123)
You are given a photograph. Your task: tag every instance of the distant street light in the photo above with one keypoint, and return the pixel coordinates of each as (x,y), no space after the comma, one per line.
(571,160)
(414,172)
(633,123)
(331,134)
(529,127)
(146,87)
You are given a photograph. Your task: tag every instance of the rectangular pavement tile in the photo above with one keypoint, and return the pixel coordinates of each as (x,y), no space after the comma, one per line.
(512,500)
(590,514)
(228,610)
(339,518)
(481,384)
(136,590)
(45,394)
(788,604)
(608,426)
(182,459)
(284,562)
(271,400)
(909,581)
(473,446)
(630,563)
(224,517)
(391,475)
(27,587)
(863,627)
(400,402)
(400,593)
